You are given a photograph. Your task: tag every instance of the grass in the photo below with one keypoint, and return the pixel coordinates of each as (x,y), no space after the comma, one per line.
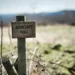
(56,56)
(52,55)
(58,34)
(7,49)
(46,49)
(55,28)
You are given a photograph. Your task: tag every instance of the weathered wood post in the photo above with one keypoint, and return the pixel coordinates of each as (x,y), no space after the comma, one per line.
(22,30)
(21,51)
(1,47)
(8,66)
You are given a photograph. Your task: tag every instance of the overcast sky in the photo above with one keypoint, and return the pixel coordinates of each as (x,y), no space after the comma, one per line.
(35,6)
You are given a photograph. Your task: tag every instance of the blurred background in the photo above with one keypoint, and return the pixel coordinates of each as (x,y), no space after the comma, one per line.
(55,32)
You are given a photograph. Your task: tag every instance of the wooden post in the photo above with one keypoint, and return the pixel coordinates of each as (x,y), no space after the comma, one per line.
(1,47)
(22,30)
(8,66)
(21,51)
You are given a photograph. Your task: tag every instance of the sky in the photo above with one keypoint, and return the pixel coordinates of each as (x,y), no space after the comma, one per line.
(35,6)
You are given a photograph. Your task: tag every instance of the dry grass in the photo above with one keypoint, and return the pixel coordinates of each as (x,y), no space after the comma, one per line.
(52,35)
(63,34)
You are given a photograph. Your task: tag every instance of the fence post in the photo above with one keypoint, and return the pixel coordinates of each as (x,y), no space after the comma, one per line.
(21,51)
(8,66)
(1,46)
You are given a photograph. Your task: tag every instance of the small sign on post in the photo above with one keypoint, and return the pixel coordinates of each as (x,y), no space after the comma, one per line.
(22,30)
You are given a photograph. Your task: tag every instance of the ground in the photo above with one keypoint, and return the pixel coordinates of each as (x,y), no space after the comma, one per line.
(63,34)
(55,46)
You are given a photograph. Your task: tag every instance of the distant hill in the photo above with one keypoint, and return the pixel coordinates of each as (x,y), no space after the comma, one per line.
(65,16)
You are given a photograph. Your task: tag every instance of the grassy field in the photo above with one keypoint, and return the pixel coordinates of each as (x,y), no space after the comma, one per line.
(58,34)
(55,47)
(63,34)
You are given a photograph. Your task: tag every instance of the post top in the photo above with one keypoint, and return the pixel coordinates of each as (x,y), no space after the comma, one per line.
(20,18)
